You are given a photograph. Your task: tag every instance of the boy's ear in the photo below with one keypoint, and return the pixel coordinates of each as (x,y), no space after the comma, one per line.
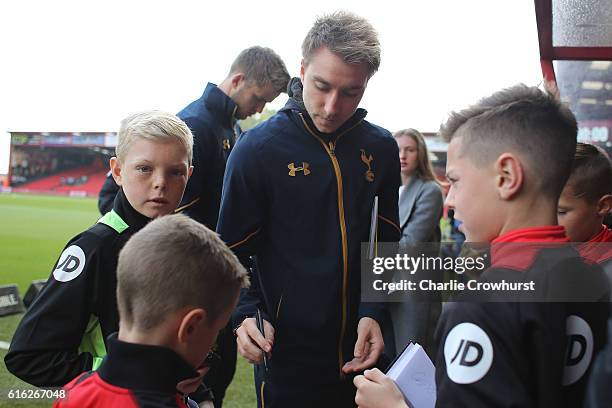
(604,205)
(190,172)
(509,175)
(302,69)
(115,170)
(189,324)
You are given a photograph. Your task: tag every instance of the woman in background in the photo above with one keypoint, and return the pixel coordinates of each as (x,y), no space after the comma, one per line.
(420,210)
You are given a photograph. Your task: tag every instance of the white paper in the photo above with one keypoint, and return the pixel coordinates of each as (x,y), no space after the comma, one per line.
(414,374)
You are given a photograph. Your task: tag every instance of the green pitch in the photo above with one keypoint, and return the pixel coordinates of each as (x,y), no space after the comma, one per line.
(33,232)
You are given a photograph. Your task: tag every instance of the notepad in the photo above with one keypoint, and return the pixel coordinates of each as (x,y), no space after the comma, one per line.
(414,374)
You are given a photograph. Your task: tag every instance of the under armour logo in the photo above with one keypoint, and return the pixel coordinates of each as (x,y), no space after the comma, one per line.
(226,144)
(303,168)
(367,159)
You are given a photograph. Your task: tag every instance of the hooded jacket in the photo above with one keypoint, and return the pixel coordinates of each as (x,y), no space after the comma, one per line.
(211,119)
(301,202)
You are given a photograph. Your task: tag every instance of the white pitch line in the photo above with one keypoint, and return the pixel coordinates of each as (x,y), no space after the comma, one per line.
(4,345)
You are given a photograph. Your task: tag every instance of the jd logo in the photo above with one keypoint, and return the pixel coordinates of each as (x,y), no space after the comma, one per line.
(468,353)
(466,349)
(367,159)
(70,264)
(579,349)
(304,168)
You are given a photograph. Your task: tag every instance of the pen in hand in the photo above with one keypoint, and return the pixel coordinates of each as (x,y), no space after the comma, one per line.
(260,327)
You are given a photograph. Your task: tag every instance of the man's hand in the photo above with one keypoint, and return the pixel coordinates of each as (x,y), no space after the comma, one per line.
(250,341)
(368,348)
(374,389)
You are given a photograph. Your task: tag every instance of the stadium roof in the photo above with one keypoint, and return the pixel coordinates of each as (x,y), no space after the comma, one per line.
(575,39)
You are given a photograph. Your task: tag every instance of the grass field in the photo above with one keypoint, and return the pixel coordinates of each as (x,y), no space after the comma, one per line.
(33,231)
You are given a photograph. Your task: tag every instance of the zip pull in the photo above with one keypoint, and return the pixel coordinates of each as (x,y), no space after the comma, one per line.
(332,148)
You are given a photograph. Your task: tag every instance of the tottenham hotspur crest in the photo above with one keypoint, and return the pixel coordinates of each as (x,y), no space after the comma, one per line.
(367,159)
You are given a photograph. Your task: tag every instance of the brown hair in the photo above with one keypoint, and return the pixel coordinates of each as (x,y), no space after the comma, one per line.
(262,66)
(523,119)
(172,263)
(591,176)
(424,168)
(347,35)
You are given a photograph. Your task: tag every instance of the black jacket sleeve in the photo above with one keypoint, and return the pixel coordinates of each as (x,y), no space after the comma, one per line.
(44,350)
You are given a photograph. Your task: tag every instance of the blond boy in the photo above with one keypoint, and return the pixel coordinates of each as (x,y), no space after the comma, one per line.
(65,330)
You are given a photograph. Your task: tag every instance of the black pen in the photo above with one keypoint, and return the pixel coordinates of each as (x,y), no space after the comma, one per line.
(260,327)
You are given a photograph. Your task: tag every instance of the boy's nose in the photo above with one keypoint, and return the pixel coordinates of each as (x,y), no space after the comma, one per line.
(159,181)
(450,198)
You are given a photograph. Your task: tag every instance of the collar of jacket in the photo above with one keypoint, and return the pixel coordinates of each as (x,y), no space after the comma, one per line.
(128,214)
(143,367)
(296,104)
(219,104)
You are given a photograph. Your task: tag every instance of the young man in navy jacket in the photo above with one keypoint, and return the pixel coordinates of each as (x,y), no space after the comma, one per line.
(298,194)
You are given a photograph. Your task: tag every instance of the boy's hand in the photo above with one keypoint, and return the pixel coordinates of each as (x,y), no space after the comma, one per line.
(368,348)
(374,389)
(250,341)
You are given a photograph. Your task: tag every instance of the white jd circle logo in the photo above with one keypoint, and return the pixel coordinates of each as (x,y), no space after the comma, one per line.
(70,264)
(579,349)
(468,353)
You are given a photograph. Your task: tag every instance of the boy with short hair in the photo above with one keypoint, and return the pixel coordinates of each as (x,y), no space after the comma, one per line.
(64,331)
(584,203)
(164,335)
(509,157)
(586,200)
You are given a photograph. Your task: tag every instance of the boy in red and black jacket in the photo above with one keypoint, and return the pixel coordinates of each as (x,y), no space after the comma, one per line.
(160,352)
(585,201)
(509,157)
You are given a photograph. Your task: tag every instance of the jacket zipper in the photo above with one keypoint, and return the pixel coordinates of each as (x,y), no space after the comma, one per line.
(330,148)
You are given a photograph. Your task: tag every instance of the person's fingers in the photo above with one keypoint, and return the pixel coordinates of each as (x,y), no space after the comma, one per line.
(360,344)
(375,375)
(256,336)
(269,330)
(245,344)
(360,381)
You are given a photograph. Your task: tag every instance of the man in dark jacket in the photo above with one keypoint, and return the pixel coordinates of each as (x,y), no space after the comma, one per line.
(298,194)
(257,76)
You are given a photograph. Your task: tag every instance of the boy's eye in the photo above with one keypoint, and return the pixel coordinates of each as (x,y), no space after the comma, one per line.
(143,169)
(561,211)
(178,172)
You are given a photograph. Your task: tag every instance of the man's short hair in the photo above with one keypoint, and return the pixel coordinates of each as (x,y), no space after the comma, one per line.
(172,263)
(591,176)
(262,66)
(521,119)
(347,35)
(156,126)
